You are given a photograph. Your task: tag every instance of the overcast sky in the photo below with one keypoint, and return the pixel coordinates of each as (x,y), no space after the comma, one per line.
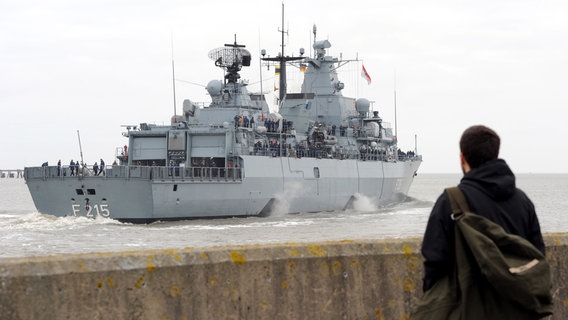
(94,66)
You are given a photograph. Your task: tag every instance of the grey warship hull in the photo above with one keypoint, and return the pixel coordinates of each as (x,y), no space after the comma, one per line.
(234,157)
(266,185)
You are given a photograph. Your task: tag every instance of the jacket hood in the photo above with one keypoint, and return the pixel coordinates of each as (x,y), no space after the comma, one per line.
(494,178)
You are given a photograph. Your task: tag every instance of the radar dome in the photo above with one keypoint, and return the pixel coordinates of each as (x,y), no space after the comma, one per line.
(214,87)
(362,105)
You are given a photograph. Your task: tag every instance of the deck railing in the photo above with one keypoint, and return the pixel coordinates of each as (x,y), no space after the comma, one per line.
(183,173)
(138,172)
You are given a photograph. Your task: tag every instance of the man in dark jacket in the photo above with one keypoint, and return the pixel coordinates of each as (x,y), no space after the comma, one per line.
(489,187)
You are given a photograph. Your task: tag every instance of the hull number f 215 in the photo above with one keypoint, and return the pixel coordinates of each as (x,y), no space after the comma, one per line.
(92,210)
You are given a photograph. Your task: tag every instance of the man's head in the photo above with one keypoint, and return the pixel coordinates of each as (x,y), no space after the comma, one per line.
(478,144)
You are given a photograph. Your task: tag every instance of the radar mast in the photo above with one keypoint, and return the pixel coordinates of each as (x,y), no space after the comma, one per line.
(282,60)
(231,57)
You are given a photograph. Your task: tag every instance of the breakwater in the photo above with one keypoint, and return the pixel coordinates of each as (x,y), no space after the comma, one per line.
(363,279)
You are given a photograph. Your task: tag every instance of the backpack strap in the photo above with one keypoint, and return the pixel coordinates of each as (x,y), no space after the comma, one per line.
(457,201)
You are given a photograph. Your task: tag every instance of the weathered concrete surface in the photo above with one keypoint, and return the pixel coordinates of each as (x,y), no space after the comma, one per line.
(364,279)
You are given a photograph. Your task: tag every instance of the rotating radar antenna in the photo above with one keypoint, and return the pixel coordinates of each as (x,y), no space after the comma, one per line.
(231,57)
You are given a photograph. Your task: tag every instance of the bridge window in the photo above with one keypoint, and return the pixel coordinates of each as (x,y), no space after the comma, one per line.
(316,172)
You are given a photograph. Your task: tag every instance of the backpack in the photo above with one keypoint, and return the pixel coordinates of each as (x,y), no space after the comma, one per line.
(497,275)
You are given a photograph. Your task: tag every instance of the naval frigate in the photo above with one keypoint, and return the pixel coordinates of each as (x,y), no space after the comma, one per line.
(232,157)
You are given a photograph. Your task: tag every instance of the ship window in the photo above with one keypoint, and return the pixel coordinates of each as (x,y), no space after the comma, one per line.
(316,172)
(91,191)
(79,192)
(175,187)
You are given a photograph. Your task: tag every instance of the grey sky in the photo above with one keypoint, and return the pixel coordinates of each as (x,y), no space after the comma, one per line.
(74,65)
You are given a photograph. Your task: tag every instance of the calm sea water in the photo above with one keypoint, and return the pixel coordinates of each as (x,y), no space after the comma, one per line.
(24,232)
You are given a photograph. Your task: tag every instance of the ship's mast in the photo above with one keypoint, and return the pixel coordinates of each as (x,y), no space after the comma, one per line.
(80,148)
(395,122)
(282,60)
(174,76)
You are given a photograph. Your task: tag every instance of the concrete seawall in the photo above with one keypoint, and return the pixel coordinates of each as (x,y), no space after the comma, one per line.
(363,279)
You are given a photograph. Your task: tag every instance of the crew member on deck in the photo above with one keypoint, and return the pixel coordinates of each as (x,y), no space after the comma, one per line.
(102,168)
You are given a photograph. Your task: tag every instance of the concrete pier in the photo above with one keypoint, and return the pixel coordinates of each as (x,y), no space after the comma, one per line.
(11,173)
(363,279)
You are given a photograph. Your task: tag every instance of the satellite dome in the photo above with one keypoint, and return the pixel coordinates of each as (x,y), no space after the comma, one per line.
(362,105)
(214,87)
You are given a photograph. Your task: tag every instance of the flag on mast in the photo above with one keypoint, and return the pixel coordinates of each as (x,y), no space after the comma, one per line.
(365,75)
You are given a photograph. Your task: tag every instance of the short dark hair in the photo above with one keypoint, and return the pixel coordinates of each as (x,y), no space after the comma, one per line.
(479,144)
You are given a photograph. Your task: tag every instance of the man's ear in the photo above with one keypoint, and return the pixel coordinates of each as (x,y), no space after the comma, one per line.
(464,164)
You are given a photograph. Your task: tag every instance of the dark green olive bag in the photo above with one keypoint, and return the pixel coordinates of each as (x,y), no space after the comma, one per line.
(497,275)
